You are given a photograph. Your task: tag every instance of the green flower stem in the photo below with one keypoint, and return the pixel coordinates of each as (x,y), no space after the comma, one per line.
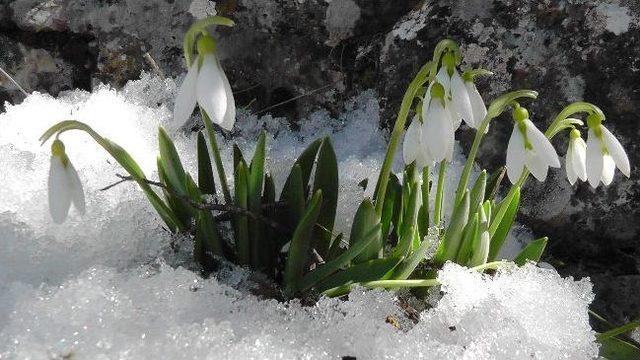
(216,157)
(438,207)
(396,134)
(495,109)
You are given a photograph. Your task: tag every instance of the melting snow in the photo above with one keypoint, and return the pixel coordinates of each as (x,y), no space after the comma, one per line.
(108,285)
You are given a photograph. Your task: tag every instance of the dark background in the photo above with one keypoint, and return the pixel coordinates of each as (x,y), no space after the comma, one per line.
(329,51)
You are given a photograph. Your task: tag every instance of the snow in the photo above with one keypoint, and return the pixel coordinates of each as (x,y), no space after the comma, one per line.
(108,284)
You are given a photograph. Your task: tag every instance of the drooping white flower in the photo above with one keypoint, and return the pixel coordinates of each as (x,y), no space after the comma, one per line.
(478,108)
(438,133)
(458,96)
(576,158)
(207,85)
(65,187)
(604,152)
(413,148)
(529,147)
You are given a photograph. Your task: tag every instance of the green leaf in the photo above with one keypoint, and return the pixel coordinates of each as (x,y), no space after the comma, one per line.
(614,348)
(206,181)
(178,206)
(243,245)
(336,250)
(477,191)
(237,156)
(493,185)
(468,238)
(293,198)
(423,213)
(342,260)
(448,249)
(406,268)
(365,220)
(502,222)
(300,246)
(171,162)
(306,160)
(532,252)
(393,198)
(260,253)
(326,179)
(207,240)
(378,269)
(481,242)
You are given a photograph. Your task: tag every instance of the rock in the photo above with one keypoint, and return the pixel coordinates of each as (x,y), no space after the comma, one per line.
(292,57)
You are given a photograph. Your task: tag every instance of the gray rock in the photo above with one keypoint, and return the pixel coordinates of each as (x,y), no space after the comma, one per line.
(291,57)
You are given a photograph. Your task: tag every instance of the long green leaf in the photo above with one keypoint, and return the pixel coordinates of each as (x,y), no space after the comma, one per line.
(171,162)
(300,247)
(332,266)
(378,269)
(614,348)
(502,223)
(532,252)
(243,245)
(260,254)
(406,268)
(393,197)
(326,179)
(365,220)
(306,160)
(448,249)
(293,198)
(206,181)
(476,197)
(468,238)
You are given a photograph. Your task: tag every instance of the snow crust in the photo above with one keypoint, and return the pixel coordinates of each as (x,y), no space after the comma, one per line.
(108,284)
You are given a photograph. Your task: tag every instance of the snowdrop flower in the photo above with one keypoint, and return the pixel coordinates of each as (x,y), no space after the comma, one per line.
(413,147)
(207,85)
(576,158)
(604,153)
(456,91)
(64,185)
(438,132)
(478,108)
(528,147)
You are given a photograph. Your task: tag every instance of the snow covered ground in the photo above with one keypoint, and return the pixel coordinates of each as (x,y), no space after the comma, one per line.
(107,285)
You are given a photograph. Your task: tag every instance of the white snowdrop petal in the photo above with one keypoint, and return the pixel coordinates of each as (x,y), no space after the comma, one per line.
(437,131)
(515,155)
(75,189)
(572,176)
(608,169)
(186,99)
(455,117)
(616,151)
(59,195)
(594,160)
(230,115)
(536,164)
(478,108)
(210,90)
(542,145)
(411,141)
(460,99)
(579,150)
(444,79)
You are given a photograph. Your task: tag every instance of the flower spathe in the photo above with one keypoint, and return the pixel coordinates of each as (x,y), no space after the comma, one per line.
(207,85)
(529,147)
(413,148)
(604,152)
(438,132)
(575,161)
(64,185)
